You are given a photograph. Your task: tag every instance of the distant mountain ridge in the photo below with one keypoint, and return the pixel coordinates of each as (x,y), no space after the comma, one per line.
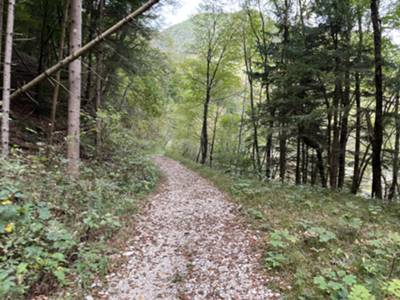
(177,39)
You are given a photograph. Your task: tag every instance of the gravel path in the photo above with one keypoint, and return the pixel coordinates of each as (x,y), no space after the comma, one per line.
(190,243)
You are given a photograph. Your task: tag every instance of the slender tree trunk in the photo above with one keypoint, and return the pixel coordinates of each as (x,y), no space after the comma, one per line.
(56,91)
(249,72)
(5,128)
(214,137)
(320,162)
(335,126)
(313,170)
(346,111)
(240,135)
(298,160)
(1,28)
(395,168)
(93,18)
(282,154)
(305,164)
(99,87)
(269,145)
(204,131)
(43,44)
(75,81)
(283,138)
(357,147)
(329,136)
(378,129)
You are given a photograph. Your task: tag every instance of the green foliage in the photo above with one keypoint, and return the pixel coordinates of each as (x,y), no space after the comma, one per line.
(392,288)
(321,234)
(325,245)
(279,242)
(359,292)
(91,262)
(53,230)
(335,284)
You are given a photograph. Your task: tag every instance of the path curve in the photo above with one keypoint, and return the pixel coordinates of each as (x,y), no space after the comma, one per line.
(190,243)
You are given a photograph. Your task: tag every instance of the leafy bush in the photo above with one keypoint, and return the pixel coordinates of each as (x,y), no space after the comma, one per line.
(279,241)
(392,288)
(53,230)
(359,292)
(335,283)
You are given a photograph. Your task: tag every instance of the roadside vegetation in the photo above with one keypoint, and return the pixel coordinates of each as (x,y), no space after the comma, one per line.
(56,232)
(322,244)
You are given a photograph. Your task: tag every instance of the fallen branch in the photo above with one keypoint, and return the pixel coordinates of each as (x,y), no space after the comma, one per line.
(93,43)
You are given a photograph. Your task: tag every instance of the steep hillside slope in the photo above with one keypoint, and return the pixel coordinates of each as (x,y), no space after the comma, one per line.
(177,39)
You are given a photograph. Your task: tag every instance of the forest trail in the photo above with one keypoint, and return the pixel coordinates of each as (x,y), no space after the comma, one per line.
(190,243)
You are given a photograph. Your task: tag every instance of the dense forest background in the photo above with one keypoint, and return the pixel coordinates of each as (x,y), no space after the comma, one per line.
(287,93)
(292,92)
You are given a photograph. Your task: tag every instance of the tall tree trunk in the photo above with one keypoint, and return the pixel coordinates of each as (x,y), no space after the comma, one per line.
(240,135)
(92,17)
(261,36)
(320,160)
(269,145)
(395,168)
(378,129)
(75,81)
(56,91)
(305,164)
(282,137)
(204,130)
(336,114)
(346,105)
(282,154)
(214,137)
(1,28)
(313,170)
(298,159)
(43,43)
(357,147)
(99,87)
(249,73)
(5,126)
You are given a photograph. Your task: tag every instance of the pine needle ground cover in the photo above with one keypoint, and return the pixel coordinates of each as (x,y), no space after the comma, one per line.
(55,232)
(322,244)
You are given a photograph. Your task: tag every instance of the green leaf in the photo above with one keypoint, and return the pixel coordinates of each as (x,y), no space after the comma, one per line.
(44,213)
(350,280)
(321,282)
(359,292)
(60,275)
(22,268)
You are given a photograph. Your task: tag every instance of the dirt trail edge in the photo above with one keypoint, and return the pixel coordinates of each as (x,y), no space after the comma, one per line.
(190,243)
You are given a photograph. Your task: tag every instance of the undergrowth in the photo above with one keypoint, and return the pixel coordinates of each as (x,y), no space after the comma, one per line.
(55,231)
(323,244)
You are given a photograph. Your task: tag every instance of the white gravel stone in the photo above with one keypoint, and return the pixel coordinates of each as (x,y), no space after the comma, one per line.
(190,243)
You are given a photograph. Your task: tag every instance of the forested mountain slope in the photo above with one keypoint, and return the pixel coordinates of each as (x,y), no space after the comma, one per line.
(177,39)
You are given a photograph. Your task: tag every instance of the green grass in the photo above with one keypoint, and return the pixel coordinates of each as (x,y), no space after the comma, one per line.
(322,244)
